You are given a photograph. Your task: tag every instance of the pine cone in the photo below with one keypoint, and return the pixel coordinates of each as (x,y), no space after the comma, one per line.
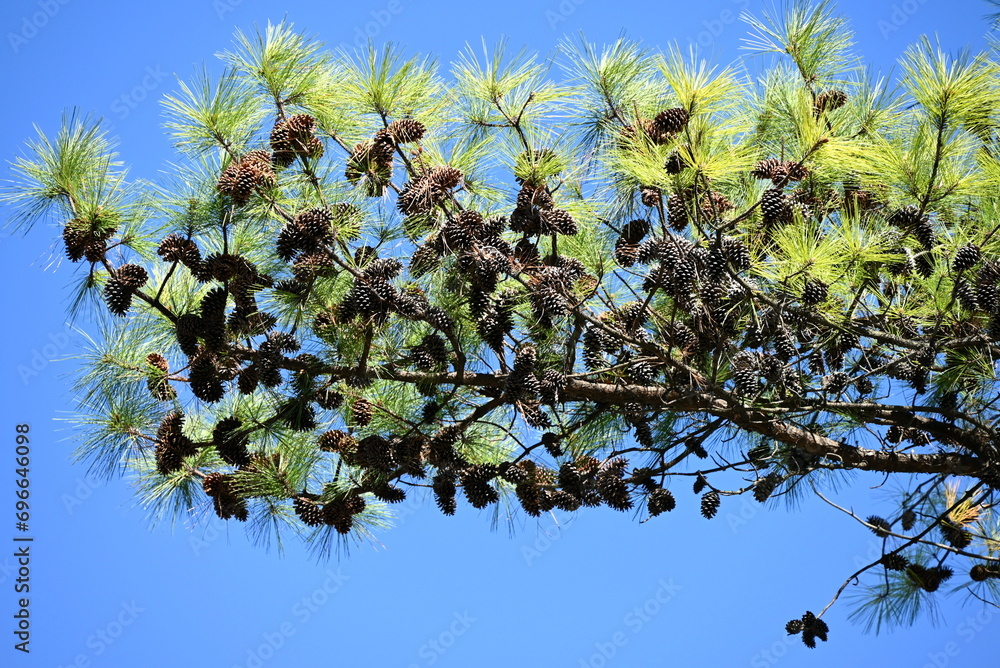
(650,197)
(339,442)
(172,446)
(660,501)
(669,122)
(676,212)
(774,208)
(362,412)
(308,511)
(828,100)
(770,169)
(765,487)
(709,504)
(475,482)
(204,377)
(966,257)
(406,130)
(815,292)
(118,296)
(895,562)
(446,177)
(230,442)
(132,276)
(444,492)
(880,527)
(674,164)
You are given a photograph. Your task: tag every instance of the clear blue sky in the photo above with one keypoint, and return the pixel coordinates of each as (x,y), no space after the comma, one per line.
(594,590)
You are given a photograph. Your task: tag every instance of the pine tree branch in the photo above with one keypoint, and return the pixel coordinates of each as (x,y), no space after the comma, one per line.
(703,402)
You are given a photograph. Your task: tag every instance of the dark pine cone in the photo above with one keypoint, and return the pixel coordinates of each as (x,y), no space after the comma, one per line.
(132,276)
(558,221)
(709,504)
(928,579)
(795,171)
(676,213)
(475,482)
(406,130)
(308,511)
(650,197)
(314,222)
(955,535)
(172,446)
(660,501)
(829,100)
(83,241)
(982,572)
(880,526)
(446,177)
(815,292)
(966,257)
(745,381)
(337,441)
(895,561)
(613,490)
(438,318)
(156,378)
(329,399)
(635,231)
(670,121)
(362,412)
(215,484)
(836,382)
(444,492)
(204,377)
(118,296)
(813,628)
(765,487)
(770,169)
(675,164)
(774,208)
(230,442)
(249,379)
(552,444)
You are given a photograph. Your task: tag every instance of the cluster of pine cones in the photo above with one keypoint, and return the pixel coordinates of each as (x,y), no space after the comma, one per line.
(783,351)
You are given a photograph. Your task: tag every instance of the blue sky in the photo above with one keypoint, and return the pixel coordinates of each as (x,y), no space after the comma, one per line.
(594,590)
